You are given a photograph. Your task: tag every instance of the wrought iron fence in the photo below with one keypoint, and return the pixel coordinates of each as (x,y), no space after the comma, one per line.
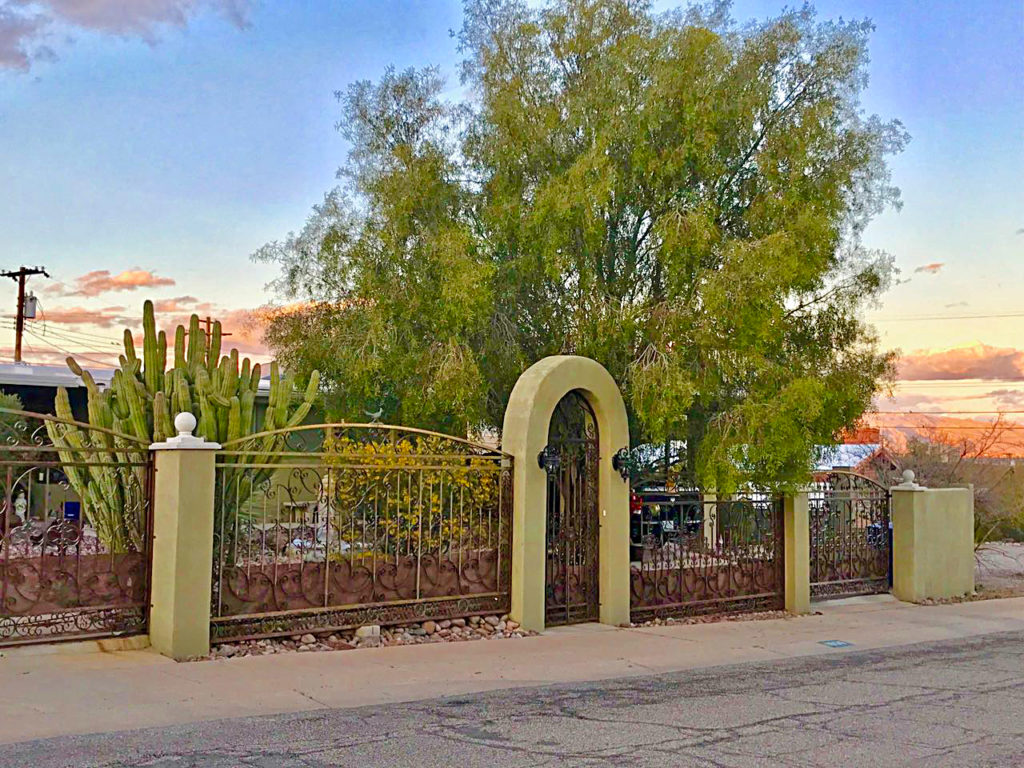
(335,526)
(850,535)
(692,553)
(74,530)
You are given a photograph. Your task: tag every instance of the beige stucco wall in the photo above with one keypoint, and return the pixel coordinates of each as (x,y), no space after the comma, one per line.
(183,497)
(933,543)
(524,435)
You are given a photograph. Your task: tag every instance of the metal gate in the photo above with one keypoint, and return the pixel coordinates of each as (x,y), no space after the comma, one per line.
(75,530)
(850,536)
(694,553)
(333,526)
(571,463)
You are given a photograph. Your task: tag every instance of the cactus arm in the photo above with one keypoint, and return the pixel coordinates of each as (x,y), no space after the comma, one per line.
(234,429)
(247,405)
(161,357)
(179,347)
(129,346)
(149,348)
(196,346)
(162,426)
(215,342)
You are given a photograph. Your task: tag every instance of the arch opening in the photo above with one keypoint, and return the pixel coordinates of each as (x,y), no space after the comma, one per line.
(536,420)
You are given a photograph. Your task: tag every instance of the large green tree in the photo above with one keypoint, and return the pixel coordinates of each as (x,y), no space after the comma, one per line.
(675,195)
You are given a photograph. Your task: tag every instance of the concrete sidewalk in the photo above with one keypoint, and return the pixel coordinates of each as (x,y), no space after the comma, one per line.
(66,692)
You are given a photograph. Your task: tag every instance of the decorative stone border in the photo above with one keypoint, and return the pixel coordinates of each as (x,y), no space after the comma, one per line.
(372,636)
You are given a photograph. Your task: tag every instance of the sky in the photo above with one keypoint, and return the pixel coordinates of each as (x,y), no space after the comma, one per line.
(147,148)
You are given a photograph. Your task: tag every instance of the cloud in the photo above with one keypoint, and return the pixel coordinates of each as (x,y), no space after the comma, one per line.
(18,33)
(24,23)
(1006,398)
(957,304)
(107,317)
(177,304)
(978,361)
(934,268)
(1020,231)
(911,401)
(103,281)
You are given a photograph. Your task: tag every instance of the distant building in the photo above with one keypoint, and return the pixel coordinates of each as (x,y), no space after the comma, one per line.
(36,386)
(871,459)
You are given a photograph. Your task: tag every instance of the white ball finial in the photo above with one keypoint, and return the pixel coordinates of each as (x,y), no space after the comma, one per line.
(185,423)
(908,476)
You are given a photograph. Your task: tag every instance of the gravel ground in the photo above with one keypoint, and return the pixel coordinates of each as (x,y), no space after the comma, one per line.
(446,631)
(999,569)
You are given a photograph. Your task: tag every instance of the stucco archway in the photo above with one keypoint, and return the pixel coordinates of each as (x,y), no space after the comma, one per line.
(524,435)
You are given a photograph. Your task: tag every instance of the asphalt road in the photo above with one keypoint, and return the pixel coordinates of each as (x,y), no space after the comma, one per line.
(938,704)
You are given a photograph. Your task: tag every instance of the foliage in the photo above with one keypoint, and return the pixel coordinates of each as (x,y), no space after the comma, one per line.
(9,402)
(140,403)
(412,494)
(998,487)
(673,195)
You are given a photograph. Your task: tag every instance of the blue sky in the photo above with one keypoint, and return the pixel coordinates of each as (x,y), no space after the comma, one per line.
(179,140)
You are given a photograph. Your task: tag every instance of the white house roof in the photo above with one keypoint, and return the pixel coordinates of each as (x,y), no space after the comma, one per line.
(34,375)
(845,455)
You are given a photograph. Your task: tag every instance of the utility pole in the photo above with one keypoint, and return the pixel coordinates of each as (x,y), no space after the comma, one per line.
(19,324)
(207,323)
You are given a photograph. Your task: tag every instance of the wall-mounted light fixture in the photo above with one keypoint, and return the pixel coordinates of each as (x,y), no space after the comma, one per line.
(549,460)
(622,463)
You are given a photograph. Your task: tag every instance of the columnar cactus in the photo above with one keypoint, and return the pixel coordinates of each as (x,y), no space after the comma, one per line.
(145,394)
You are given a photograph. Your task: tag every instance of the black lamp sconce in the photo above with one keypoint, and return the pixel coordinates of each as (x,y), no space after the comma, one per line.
(549,460)
(622,463)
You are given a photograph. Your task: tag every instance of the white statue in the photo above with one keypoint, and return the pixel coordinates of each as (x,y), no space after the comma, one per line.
(21,505)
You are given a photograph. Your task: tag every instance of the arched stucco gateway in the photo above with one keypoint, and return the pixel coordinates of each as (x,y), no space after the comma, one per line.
(524,435)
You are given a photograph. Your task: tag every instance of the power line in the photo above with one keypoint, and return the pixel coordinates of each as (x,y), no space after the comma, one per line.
(918,318)
(49,343)
(942,413)
(943,428)
(73,336)
(78,339)
(958,383)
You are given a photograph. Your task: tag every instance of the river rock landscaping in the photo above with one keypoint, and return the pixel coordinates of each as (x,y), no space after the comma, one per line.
(441,631)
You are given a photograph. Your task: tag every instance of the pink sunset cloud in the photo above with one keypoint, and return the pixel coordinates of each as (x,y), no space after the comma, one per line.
(105,317)
(25,25)
(977,361)
(934,268)
(102,281)
(177,304)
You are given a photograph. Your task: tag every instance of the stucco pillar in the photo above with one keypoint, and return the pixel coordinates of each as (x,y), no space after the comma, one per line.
(524,435)
(797,552)
(183,507)
(932,541)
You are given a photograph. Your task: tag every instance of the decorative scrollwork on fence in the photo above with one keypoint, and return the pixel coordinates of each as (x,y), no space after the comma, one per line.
(368,518)
(850,535)
(74,529)
(696,554)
